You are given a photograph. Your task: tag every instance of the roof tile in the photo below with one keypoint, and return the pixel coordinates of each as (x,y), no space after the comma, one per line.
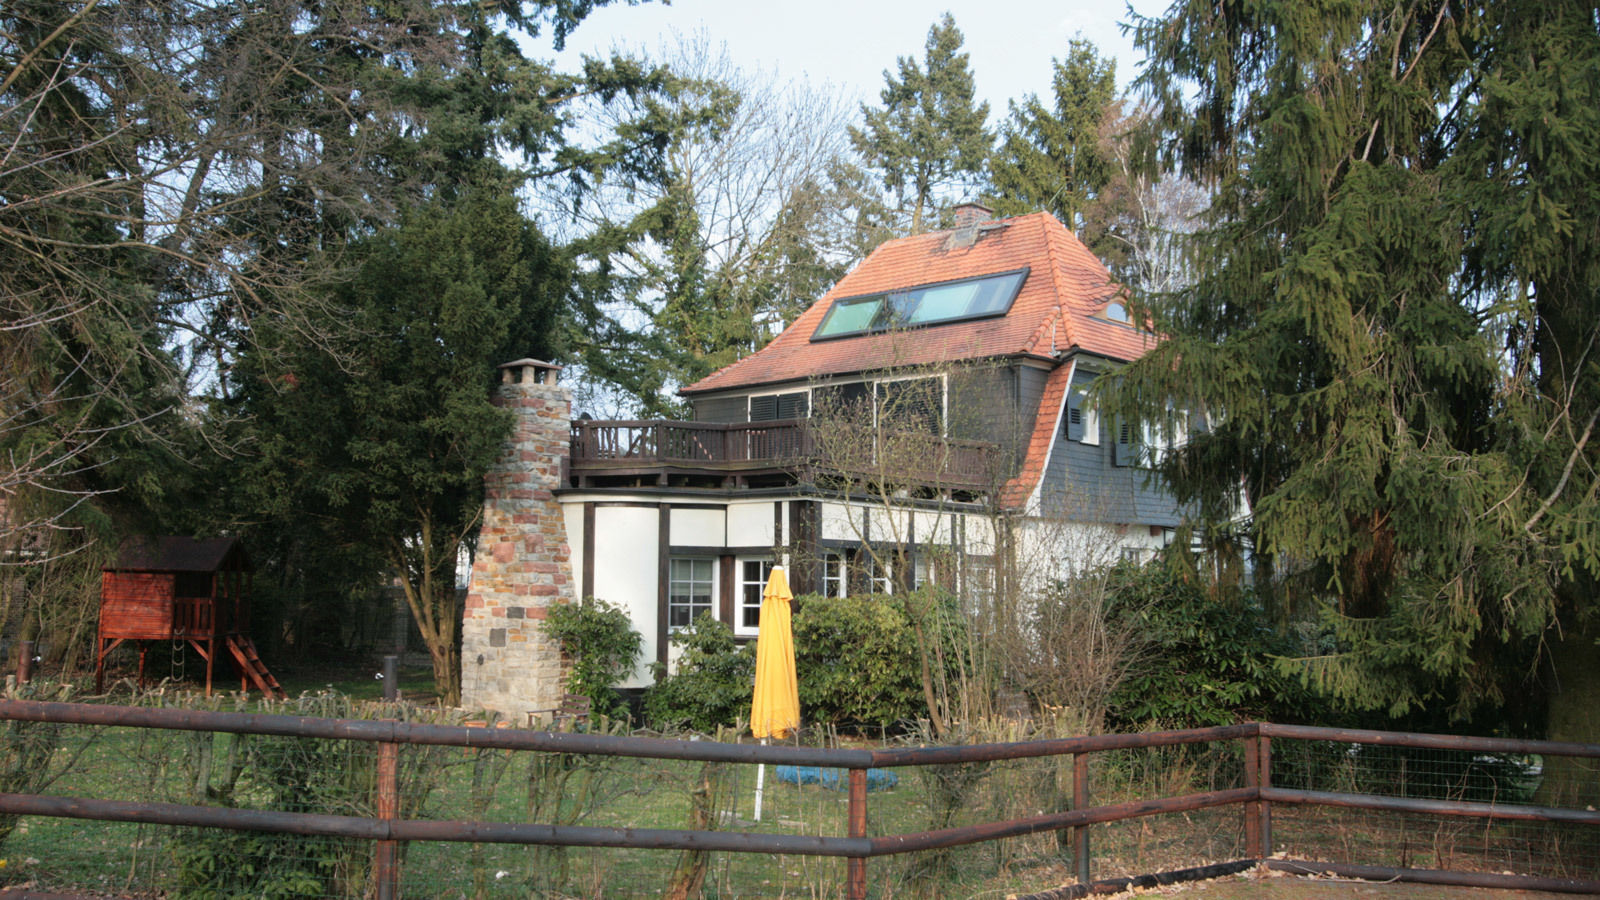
(1065,288)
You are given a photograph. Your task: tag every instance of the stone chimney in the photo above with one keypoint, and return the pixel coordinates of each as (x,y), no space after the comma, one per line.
(523,564)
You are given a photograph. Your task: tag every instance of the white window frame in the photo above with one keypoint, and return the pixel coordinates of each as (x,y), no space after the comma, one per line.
(1088,416)
(878,583)
(978,584)
(835,573)
(749,401)
(1161,438)
(709,607)
(745,590)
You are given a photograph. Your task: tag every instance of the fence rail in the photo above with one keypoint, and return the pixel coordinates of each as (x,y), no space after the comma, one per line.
(1255,799)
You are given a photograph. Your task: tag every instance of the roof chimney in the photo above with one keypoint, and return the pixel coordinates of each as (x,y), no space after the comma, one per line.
(971,214)
(973,221)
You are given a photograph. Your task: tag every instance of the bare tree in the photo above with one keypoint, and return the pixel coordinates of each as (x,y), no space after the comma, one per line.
(882,449)
(169,172)
(737,237)
(1151,214)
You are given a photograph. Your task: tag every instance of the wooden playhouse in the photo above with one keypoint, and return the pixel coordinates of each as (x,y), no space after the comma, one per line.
(183,590)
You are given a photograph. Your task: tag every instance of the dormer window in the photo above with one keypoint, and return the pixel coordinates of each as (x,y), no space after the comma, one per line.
(931,304)
(1117,311)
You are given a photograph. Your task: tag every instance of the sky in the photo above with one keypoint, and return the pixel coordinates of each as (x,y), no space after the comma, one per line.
(849,43)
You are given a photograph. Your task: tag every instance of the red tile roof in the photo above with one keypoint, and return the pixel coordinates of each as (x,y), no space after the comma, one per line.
(1018,491)
(1055,309)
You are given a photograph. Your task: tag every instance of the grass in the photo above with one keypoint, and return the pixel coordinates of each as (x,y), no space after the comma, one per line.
(416,682)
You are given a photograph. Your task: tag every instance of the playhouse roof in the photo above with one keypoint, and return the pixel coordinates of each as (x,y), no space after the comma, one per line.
(148,553)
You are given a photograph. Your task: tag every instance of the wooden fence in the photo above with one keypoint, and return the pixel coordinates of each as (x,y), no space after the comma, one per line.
(1256,799)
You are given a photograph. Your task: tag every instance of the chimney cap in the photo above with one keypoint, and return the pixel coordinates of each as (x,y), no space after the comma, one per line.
(528,361)
(543,372)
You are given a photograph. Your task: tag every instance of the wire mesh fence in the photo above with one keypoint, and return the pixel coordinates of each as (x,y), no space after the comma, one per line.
(1410,840)
(705,810)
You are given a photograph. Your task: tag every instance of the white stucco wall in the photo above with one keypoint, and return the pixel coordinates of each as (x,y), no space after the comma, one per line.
(572,516)
(625,572)
(750,525)
(699,527)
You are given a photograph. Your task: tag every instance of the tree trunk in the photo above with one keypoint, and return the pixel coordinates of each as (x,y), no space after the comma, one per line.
(1574,715)
(446,669)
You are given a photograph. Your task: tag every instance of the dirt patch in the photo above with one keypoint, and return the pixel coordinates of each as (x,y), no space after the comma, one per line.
(1264,885)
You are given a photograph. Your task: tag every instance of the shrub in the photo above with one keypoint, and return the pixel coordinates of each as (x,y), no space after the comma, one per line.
(713,682)
(27,749)
(286,774)
(857,662)
(1209,654)
(600,641)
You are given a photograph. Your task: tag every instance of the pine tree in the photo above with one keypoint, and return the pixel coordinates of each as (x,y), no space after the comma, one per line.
(1394,324)
(1055,157)
(928,134)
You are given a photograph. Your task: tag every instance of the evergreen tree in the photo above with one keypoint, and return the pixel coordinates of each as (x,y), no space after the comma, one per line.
(929,133)
(1394,323)
(738,232)
(1056,157)
(384,442)
(372,426)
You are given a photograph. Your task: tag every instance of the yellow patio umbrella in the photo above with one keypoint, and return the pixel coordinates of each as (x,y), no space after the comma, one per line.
(775,705)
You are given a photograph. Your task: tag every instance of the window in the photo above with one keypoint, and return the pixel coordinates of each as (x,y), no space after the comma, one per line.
(1166,436)
(979,585)
(753,574)
(1148,443)
(880,576)
(1117,311)
(770,407)
(835,574)
(972,298)
(846,400)
(191,584)
(1082,421)
(913,404)
(689,592)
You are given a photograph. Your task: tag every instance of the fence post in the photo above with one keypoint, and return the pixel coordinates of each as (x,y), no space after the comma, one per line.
(391,678)
(385,870)
(25,662)
(1080,800)
(1265,780)
(1252,808)
(856,867)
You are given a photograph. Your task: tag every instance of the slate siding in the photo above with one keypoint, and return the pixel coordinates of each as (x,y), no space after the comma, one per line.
(1082,483)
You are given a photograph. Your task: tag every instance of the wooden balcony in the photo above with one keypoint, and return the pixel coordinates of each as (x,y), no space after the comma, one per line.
(708,454)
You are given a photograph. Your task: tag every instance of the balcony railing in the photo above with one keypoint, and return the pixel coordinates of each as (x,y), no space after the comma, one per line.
(660,446)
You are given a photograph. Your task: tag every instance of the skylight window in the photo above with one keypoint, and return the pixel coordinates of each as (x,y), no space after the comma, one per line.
(934,304)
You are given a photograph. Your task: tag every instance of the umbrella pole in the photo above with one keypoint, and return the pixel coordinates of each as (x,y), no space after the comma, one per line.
(761,774)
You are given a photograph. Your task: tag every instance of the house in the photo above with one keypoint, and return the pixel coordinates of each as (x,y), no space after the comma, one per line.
(927,419)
